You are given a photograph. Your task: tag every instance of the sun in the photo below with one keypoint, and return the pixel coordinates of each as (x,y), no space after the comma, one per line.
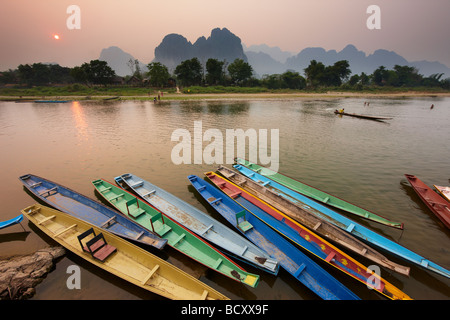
(56,37)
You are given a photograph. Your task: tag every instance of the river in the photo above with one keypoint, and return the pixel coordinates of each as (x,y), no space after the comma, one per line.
(361,161)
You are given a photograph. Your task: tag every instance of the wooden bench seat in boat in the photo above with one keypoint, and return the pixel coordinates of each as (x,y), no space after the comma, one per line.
(97,245)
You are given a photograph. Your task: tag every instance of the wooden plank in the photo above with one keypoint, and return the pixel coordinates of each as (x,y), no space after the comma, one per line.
(66,229)
(46,219)
(152,272)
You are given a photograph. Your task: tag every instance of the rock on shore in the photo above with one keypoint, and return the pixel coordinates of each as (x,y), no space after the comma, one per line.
(20,274)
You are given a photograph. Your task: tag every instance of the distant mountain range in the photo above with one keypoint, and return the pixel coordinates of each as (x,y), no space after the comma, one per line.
(224,45)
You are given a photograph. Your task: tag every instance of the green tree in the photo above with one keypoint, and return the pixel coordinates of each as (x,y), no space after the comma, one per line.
(214,71)
(292,80)
(240,71)
(158,74)
(315,73)
(189,72)
(379,76)
(79,74)
(407,76)
(99,72)
(25,74)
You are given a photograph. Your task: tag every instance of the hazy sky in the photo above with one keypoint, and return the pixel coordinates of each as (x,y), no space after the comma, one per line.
(415,29)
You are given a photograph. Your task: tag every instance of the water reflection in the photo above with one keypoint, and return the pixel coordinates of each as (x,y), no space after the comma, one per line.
(80,120)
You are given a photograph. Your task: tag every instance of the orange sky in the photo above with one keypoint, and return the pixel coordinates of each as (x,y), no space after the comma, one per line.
(415,29)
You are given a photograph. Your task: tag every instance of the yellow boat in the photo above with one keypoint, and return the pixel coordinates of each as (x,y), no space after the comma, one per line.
(119,257)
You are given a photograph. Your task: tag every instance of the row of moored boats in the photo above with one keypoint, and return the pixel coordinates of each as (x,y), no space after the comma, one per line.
(277,222)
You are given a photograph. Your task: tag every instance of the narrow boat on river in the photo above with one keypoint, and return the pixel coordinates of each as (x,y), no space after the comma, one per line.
(118,256)
(177,236)
(305,238)
(199,222)
(318,195)
(80,206)
(350,226)
(438,205)
(361,116)
(290,258)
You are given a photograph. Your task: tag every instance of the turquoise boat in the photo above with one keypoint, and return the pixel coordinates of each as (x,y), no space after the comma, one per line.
(177,236)
(200,223)
(342,222)
(290,258)
(318,195)
(10,222)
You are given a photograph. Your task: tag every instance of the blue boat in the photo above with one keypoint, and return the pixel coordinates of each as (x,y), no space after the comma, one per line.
(290,258)
(343,222)
(10,222)
(84,208)
(200,223)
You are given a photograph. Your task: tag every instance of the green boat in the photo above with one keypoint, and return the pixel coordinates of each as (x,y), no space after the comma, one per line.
(177,236)
(318,195)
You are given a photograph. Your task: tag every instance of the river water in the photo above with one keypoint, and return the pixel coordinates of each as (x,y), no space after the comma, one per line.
(358,160)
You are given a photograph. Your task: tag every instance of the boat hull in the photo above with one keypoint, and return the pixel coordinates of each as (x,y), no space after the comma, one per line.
(438,205)
(129,262)
(351,226)
(200,223)
(360,116)
(305,238)
(289,257)
(82,207)
(309,215)
(10,222)
(177,236)
(319,195)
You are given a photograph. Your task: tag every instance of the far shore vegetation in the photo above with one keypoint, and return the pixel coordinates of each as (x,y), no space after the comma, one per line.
(96,79)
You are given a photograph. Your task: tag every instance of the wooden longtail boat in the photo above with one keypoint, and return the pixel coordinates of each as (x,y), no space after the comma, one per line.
(177,236)
(290,258)
(82,207)
(10,222)
(361,116)
(352,227)
(309,217)
(438,205)
(318,195)
(118,256)
(199,222)
(305,238)
(444,191)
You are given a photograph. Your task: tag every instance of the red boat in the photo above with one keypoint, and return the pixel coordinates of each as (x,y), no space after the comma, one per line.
(438,205)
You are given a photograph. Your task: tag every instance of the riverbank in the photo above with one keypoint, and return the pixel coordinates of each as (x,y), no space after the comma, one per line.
(164,96)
